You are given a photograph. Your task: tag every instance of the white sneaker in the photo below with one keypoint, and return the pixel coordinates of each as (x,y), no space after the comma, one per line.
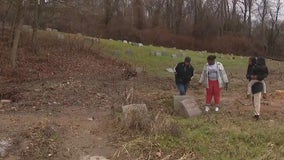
(207,109)
(216,109)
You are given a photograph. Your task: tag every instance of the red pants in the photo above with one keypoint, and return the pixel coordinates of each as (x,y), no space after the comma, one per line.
(213,90)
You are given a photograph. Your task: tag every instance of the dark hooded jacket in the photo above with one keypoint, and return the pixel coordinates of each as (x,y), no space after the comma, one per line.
(261,72)
(183,73)
(250,68)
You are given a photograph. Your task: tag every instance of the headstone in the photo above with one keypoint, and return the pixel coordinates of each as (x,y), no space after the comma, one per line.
(129,52)
(139,69)
(4,145)
(88,43)
(186,106)
(55,30)
(48,29)
(170,70)
(5,101)
(135,44)
(96,40)
(93,158)
(134,107)
(164,54)
(205,51)
(116,53)
(158,54)
(152,53)
(174,56)
(135,114)
(61,36)
(27,28)
(125,41)
(140,45)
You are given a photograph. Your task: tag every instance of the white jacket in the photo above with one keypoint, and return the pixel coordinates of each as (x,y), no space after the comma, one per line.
(222,76)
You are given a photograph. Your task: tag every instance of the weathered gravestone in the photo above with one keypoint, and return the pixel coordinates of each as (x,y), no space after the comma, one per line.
(171,70)
(158,54)
(4,145)
(164,54)
(135,115)
(129,52)
(139,69)
(174,56)
(88,43)
(93,158)
(152,53)
(116,53)
(186,106)
(60,36)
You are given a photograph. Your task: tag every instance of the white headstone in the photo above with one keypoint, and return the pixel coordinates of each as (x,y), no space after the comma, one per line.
(60,36)
(170,70)
(93,158)
(158,54)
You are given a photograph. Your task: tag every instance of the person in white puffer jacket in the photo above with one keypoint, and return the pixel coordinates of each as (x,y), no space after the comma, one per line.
(214,78)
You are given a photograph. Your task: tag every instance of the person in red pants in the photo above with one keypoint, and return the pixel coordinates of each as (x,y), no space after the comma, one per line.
(214,78)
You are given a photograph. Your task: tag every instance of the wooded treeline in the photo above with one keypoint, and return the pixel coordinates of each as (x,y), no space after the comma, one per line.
(227,26)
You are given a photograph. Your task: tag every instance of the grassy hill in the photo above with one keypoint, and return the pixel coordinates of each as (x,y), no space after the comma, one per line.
(231,134)
(144,56)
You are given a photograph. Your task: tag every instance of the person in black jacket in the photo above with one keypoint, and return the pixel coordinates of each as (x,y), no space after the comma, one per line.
(183,74)
(251,66)
(259,73)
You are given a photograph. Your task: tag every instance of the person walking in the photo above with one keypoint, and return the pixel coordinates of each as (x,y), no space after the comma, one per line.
(184,71)
(251,65)
(259,73)
(214,78)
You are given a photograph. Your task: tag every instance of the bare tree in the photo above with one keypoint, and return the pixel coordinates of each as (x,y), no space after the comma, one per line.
(139,14)
(274,28)
(19,5)
(179,15)
(36,4)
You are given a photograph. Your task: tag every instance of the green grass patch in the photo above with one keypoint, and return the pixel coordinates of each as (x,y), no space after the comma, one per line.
(156,65)
(220,137)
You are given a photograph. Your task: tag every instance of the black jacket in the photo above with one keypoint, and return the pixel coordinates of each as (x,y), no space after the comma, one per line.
(183,73)
(261,73)
(249,72)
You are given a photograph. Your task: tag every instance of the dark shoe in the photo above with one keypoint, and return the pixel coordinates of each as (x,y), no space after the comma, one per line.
(264,96)
(248,96)
(256,117)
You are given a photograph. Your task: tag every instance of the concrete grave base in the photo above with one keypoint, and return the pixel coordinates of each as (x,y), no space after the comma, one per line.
(186,106)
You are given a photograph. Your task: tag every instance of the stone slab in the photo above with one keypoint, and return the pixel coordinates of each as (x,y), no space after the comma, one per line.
(186,106)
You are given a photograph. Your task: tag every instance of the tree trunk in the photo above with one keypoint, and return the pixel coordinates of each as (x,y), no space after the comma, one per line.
(250,3)
(19,23)
(35,27)
(16,42)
